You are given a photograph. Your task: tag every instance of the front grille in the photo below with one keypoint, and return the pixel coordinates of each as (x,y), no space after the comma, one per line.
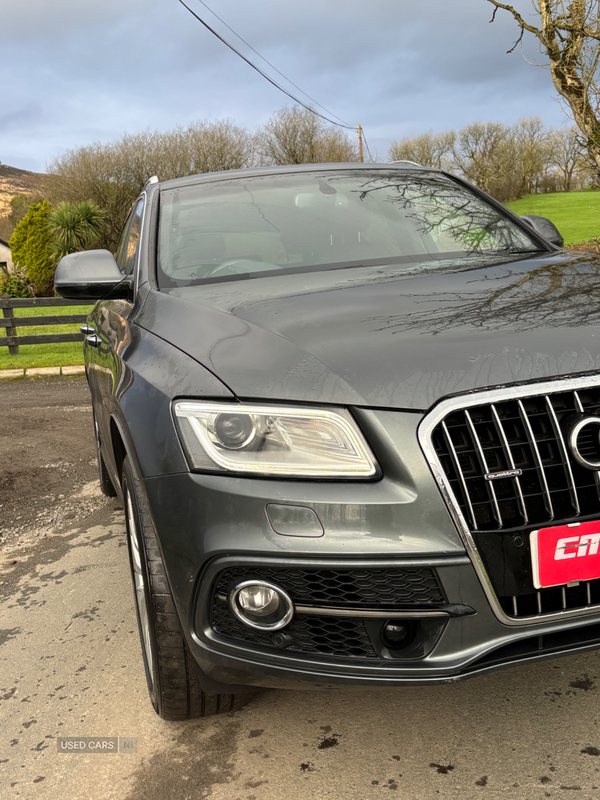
(328,636)
(372,587)
(527,434)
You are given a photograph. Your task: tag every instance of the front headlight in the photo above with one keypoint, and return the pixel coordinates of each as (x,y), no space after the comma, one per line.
(273,440)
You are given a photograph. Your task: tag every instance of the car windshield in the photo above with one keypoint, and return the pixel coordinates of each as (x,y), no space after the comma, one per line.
(247,226)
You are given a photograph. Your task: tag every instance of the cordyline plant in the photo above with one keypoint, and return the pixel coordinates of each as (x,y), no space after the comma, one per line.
(75,227)
(569,35)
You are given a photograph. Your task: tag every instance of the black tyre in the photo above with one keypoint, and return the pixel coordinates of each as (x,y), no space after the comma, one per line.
(106,485)
(171,673)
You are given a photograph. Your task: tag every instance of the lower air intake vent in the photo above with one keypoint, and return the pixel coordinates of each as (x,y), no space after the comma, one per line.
(372,588)
(329,636)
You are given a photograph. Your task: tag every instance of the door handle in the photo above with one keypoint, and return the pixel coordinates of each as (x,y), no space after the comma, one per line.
(93,340)
(86,329)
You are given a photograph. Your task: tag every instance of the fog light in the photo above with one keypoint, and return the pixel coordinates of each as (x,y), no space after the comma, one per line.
(259,600)
(397,633)
(261,605)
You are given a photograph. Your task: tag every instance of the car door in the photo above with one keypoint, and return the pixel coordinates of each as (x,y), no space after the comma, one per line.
(112,324)
(92,339)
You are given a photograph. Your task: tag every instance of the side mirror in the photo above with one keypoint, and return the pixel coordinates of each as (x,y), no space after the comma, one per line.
(545,228)
(90,275)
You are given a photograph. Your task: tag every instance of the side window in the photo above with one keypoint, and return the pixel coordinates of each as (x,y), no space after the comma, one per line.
(128,246)
(119,249)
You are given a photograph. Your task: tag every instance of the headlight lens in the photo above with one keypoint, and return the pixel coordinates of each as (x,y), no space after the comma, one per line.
(265,440)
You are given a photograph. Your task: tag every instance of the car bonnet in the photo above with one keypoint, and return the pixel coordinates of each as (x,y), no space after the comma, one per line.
(390,336)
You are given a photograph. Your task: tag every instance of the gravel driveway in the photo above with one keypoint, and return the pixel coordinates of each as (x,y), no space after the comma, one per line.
(47,458)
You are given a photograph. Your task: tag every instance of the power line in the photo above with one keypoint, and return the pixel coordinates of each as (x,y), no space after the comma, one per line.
(279,72)
(259,70)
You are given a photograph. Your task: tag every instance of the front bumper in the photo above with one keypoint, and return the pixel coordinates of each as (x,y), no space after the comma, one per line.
(207,524)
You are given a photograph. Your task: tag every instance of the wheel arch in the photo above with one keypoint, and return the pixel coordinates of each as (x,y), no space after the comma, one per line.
(121,447)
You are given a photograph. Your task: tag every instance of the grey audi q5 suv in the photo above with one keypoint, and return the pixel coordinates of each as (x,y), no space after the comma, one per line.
(353,414)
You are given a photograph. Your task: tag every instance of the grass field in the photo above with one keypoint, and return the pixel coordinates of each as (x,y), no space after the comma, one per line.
(65,354)
(575,214)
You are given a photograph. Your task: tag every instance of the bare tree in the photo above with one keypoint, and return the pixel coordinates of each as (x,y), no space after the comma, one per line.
(480,153)
(532,138)
(296,136)
(98,172)
(566,156)
(219,145)
(429,149)
(112,175)
(506,161)
(569,35)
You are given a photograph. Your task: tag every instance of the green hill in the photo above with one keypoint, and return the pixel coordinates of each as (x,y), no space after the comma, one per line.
(575,214)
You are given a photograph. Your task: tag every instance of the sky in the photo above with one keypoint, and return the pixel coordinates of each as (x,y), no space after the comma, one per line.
(74,72)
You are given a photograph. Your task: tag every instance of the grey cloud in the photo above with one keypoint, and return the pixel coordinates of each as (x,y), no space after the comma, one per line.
(19,117)
(45,20)
(91,70)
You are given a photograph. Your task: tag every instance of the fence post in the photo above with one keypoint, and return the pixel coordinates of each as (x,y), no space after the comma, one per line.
(13,349)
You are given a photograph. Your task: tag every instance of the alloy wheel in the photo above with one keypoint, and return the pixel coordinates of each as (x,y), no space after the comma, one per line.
(141,593)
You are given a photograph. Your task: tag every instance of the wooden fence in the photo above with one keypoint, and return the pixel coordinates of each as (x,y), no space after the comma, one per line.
(11,323)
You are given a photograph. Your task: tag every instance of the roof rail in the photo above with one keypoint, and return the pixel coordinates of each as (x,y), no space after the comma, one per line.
(406,161)
(151,180)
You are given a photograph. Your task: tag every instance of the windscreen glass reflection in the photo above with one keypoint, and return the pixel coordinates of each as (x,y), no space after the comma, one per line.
(252,225)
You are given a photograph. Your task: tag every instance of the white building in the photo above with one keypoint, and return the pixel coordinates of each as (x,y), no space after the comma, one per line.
(6,264)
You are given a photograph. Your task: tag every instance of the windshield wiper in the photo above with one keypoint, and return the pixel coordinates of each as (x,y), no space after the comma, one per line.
(515,251)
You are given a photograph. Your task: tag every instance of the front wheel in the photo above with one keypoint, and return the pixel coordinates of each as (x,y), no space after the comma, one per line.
(171,672)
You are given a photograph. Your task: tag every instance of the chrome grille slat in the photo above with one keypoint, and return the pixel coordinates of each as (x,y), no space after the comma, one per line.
(534,447)
(565,455)
(510,459)
(458,469)
(521,428)
(484,464)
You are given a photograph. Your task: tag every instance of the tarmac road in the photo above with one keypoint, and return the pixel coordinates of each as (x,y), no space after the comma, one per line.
(70,665)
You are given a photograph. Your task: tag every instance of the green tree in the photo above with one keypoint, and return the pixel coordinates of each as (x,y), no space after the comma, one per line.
(19,206)
(75,226)
(31,248)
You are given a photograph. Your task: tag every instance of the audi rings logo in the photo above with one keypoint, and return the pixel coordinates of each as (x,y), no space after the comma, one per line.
(584,441)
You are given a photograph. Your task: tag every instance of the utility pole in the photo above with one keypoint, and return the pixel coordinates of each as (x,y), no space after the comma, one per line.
(361,156)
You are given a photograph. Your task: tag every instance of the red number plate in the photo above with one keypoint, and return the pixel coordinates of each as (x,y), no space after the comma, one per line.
(565,554)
